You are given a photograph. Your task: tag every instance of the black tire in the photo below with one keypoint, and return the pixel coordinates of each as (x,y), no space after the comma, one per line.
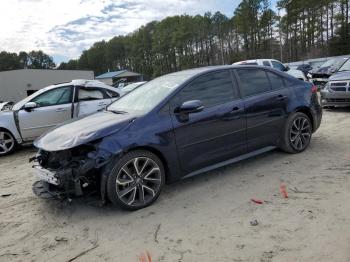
(7,135)
(141,188)
(290,142)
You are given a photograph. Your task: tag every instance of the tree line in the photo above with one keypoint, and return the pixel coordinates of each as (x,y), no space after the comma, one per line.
(31,60)
(293,30)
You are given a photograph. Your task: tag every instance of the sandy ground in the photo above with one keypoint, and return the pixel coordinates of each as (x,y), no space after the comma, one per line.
(206,218)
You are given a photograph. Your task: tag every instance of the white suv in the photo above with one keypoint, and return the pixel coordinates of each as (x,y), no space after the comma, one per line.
(28,119)
(276,65)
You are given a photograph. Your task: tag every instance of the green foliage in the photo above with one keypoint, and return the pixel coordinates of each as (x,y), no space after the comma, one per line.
(31,60)
(305,29)
(314,28)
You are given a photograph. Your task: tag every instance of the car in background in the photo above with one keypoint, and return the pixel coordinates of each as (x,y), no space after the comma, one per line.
(276,65)
(174,127)
(130,87)
(319,76)
(317,62)
(337,89)
(305,68)
(26,120)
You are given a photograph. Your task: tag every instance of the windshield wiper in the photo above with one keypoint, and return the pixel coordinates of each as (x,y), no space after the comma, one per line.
(118,112)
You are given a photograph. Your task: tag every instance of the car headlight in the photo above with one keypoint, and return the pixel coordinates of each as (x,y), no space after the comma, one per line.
(327,87)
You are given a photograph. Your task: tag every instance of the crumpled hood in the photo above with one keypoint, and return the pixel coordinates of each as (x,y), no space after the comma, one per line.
(340,76)
(81,131)
(328,70)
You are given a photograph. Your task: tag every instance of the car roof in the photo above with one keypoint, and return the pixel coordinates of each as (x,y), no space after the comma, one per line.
(85,83)
(200,70)
(188,73)
(255,60)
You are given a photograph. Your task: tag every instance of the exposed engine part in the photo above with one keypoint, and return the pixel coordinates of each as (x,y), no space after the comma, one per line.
(67,173)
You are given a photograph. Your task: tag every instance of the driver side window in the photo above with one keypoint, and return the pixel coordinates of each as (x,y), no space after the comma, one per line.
(58,96)
(212,89)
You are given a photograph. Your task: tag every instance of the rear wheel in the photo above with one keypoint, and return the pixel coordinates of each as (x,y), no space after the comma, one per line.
(7,142)
(297,133)
(136,180)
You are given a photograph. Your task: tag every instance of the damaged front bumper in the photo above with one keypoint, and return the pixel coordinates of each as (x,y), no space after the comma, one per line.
(69,173)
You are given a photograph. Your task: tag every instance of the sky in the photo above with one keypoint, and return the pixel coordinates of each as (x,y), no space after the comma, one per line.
(64,28)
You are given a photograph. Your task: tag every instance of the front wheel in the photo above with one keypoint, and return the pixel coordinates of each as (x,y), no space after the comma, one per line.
(136,180)
(297,133)
(7,142)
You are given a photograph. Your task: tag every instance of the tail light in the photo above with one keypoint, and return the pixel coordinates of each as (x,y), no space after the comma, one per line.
(314,89)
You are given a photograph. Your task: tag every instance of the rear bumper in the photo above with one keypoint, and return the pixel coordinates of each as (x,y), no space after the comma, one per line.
(335,98)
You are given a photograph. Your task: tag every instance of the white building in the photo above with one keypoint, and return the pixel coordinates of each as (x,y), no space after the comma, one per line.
(18,84)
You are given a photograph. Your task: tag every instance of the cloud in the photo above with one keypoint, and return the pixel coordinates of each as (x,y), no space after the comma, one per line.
(64,28)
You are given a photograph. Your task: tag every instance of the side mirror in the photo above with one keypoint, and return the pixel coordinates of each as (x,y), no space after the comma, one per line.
(286,68)
(189,107)
(29,106)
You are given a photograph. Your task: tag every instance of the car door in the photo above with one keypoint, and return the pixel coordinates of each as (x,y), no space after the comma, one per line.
(215,134)
(90,99)
(266,105)
(53,107)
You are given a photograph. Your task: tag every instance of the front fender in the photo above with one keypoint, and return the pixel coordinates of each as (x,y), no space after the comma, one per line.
(7,121)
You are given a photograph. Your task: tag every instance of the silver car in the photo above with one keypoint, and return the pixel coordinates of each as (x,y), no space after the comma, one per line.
(337,90)
(28,119)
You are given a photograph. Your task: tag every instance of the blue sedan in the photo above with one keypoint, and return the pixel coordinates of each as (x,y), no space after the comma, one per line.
(173,127)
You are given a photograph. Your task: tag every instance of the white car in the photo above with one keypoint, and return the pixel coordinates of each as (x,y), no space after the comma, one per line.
(130,87)
(30,118)
(276,65)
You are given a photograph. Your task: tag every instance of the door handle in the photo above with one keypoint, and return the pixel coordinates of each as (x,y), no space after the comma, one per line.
(233,114)
(61,109)
(281,97)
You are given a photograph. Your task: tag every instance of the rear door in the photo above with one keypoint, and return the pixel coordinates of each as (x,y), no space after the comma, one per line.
(54,107)
(90,100)
(265,101)
(218,132)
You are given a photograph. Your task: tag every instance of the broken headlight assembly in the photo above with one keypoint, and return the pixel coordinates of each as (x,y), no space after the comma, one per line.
(71,172)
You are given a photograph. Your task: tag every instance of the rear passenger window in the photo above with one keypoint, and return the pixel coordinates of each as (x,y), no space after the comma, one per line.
(88,94)
(111,93)
(253,81)
(212,89)
(266,63)
(276,81)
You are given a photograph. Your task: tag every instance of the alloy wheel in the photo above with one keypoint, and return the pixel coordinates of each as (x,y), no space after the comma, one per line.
(138,181)
(7,142)
(300,133)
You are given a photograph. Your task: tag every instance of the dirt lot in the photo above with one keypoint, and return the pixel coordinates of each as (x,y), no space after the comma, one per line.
(206,218)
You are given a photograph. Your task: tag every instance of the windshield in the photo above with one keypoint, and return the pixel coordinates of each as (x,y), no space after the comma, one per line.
(335,63)
(328,63)
(345,66)
(147,96)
